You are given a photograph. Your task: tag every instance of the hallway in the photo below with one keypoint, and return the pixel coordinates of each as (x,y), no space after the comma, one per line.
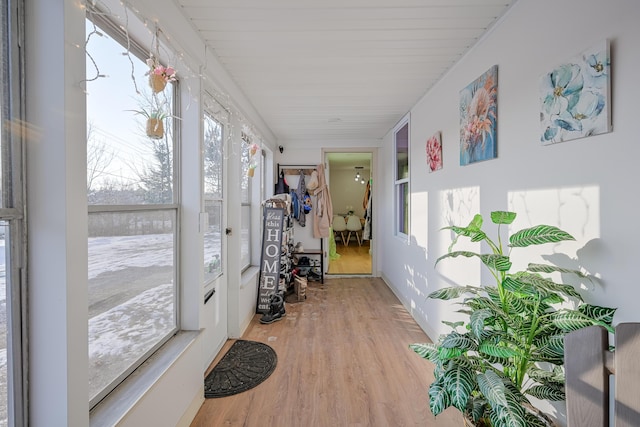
(343,360)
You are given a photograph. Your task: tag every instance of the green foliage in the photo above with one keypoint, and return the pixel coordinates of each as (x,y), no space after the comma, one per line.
(512,345)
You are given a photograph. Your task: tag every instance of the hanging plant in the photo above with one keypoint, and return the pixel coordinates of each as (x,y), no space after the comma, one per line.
(155,128)
(159,75)
(155,122)
(253,164)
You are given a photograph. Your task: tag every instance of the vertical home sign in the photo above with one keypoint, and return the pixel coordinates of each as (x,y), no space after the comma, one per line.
(270,259)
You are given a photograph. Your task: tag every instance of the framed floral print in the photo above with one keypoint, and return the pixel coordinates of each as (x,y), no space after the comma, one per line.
(574,97)
(478,118)
(434,152)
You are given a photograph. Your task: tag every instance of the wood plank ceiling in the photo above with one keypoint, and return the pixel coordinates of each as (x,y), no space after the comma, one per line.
(338,70)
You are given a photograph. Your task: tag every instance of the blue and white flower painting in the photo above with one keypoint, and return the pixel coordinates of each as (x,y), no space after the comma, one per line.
(575,97)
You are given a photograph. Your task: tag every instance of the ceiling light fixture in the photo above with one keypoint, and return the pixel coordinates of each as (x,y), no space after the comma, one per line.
(358,176)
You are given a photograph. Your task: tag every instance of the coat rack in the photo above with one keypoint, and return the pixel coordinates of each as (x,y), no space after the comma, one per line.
(296,169)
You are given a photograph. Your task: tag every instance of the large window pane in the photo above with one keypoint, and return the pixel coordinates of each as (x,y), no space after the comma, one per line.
(125,165)
(213,192)
(402,152)
(245,200)
(132,248)
(402,215)
(4,234)
(401,183)
(13,342)
(131,290)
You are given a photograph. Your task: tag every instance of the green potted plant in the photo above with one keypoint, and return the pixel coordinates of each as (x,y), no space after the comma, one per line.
(511,346)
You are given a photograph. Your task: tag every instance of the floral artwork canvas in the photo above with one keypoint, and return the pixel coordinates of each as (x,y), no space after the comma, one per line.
(478,118)
(434,152)
(574,97)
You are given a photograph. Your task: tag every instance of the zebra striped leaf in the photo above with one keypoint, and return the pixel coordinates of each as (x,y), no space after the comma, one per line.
(427,351)
(438,398)
(459,382)
(538,235)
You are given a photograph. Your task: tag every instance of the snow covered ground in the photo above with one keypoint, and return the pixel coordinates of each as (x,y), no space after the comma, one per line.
(130,303)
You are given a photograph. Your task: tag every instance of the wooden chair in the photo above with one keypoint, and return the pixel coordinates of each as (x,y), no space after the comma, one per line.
(588,364)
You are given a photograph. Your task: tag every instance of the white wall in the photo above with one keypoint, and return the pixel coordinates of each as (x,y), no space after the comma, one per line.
(587,187)
(345,191)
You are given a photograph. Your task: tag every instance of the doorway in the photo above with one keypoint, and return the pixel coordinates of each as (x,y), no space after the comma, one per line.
(350,181)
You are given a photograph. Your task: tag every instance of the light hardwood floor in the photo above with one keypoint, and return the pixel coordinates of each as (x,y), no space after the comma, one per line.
(353,259)
(343,360)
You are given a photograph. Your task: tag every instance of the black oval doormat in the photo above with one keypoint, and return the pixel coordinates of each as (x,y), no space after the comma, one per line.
(244,366)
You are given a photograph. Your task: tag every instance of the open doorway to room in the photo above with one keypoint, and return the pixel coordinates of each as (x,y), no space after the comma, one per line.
(350,183)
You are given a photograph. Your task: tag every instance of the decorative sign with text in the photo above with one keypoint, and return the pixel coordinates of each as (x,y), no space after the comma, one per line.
(270,259)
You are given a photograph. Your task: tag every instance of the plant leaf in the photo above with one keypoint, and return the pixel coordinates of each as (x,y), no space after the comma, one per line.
(476,321)
(497,350)
(520,288)
(603,314)
(459,382)
(496,262)
(454,254)
(571,320)
(427,351)
(460,341)
(549,268)
(448,353)
(502,217)
(438,398)
(538,235)
(453,325)
(452,292)
(549,285)
(546,392)
(492,388)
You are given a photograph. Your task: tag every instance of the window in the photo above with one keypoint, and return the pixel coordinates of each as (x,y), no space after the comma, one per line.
(12,310)
(132,210)
(213,193)
(401,193)
(246,185)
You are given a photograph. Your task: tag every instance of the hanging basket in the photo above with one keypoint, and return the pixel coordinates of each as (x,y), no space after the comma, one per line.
(155,129)
(157,82)
(250,172)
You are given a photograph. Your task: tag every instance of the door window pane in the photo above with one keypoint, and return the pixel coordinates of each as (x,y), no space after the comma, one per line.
(213,192)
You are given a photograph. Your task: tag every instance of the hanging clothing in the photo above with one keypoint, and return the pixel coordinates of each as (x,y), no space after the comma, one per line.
(281,186)
(324,209)
(367,193)
(300,192)
(367,233)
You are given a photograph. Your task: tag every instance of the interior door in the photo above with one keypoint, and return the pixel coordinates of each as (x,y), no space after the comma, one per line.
(215,126)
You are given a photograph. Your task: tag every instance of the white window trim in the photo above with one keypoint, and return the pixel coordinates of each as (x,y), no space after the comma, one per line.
(406,120)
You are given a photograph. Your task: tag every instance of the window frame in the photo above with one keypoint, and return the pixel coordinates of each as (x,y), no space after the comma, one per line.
(402,201)
(12,208)
(246,142)
(116,33)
